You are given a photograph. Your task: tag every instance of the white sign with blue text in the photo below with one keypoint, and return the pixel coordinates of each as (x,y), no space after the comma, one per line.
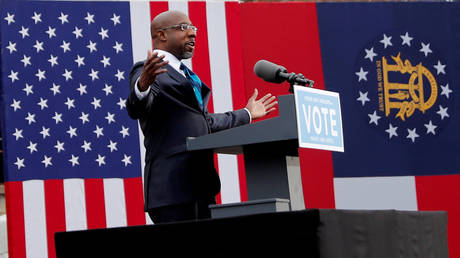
(319,119)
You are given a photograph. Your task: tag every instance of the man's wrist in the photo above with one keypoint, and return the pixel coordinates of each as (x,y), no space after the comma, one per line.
(249,113)
(140,94)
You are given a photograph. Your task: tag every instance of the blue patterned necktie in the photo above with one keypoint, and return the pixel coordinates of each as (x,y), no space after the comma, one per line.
(195,81)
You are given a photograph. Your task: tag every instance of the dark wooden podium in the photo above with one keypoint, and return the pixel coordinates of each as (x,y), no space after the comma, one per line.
(266,146)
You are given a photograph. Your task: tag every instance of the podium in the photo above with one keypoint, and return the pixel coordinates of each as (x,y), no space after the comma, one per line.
(269,148)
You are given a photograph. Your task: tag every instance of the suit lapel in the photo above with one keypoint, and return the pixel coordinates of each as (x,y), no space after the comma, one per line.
(187,87)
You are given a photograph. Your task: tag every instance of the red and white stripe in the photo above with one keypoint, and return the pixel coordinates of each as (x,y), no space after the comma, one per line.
(36,209)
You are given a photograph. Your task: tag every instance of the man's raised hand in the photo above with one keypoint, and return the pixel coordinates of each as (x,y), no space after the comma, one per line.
(153,66)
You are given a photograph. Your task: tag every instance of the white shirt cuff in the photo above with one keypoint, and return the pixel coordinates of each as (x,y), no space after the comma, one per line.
(142,94)
(249,113)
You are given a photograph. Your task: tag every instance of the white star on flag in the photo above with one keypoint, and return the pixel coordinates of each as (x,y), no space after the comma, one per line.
(84,118)
(37,17)
(26,60)
(16,104)
(74,160)
(412,134)
(406,39)
(67,74)
(13,76)
(28,89)
(24,32)
(72,131)
(370,54)
(92,46)
(51,32)
(93,75)
(32,147)
(89,18)
(112,146)
(104,33)
(362,75)
(30,118)
(65,46)
(55,89)
(77,32)
(442,112)
(18,134)
(80,60)
(9,18)
(115,19)
(41,75)
(11,47)
(82,89)
(110,117)
(59,146)
(98,131)
(392,131)
(86,146)
(120,75)
(100,160)
(39,46)
(445,90)
(426,49)
(43,103)
(126,159)
(440,68)
(47,161)
(430,128)
(45,132)
(386,41)
(124,131)
(363,97)
(63,18)
(53,60)
(20,163)
(374,118)
(118,47)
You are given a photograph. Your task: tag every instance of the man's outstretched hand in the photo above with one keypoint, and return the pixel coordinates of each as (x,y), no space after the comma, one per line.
(261,107)
(153,66)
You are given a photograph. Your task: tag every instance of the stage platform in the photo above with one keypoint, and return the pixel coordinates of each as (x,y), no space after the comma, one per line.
(307,233)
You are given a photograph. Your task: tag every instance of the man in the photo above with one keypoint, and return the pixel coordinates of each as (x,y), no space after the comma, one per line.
(170,102)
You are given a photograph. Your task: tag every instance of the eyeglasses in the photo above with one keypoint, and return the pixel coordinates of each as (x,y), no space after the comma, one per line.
(182,27)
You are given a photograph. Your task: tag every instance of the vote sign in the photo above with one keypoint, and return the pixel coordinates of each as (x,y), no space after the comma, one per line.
(319,119)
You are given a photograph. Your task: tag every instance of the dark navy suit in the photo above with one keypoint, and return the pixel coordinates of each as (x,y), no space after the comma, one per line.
(168,115)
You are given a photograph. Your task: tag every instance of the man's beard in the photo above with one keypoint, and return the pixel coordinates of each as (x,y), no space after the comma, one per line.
(186,55)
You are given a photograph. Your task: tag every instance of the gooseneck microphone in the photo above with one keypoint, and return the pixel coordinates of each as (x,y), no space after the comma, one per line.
(274,73)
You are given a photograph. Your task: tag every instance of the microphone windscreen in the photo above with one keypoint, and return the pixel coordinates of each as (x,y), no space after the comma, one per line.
(269,71)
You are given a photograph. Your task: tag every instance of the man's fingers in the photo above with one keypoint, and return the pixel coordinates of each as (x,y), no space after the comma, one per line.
(155,64)
(270,110)
(254,95)
(271,105)
(264,98)
(268,101)
(160,71)
(151,56)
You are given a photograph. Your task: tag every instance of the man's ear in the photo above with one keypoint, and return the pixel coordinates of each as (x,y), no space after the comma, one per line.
(162,35)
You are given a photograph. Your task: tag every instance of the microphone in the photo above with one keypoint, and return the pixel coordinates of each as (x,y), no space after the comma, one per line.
(274,73)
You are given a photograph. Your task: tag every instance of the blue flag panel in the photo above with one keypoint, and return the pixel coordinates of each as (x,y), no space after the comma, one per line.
(65,72)
(396,67)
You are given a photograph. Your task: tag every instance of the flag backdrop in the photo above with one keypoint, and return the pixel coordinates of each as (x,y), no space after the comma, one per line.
(73,159)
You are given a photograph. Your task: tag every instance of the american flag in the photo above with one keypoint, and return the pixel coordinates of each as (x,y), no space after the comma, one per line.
(77,82)
(66,85)
(71,152)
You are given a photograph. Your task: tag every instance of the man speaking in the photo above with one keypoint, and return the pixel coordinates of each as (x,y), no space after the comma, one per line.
(170,102)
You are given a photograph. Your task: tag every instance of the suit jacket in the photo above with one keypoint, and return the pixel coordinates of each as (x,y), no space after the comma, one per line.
(168,115)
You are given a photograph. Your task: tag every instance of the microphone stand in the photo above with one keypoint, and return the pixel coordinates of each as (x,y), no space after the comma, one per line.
(298,79)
